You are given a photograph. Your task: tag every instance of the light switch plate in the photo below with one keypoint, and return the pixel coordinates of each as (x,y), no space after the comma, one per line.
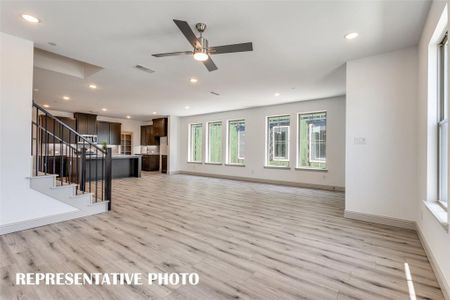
(360,140)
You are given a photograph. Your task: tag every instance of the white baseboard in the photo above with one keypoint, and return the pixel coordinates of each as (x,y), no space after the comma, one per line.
(380,219)
(268,181)
(23,225)
(445,288)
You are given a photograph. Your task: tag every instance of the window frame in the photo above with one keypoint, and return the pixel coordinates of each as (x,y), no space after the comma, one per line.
(266,146)
(282,158)
(442,112)
(227,152)
(298,154)
(190,145)
(207,146)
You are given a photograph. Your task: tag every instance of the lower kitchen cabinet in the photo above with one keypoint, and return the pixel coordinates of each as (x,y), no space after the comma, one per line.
(150,162)
(163,163)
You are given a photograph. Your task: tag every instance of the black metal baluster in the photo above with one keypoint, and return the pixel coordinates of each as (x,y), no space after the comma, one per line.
(83,169)
(46,144)
(103,175)
(90,167)
(108,177)
(96,173)
(37,142)
(61,161)
(54,149)
(70,159)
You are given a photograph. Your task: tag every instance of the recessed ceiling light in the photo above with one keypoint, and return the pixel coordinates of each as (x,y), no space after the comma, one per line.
(186,107)
(351,36)
(66,97)
(30,18)
(104,109)
(277,94)
(193,80)
(128,117)
(93,86)
(46,105)
(36,90)
(154,112)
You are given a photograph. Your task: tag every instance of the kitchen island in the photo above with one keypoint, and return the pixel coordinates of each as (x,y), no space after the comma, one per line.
(122,166)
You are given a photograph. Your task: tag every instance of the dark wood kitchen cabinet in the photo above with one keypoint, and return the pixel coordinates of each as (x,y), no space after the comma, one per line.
(163,163)
(114,133)
(160,127)
(150,162)
(86,123)
(108,132)
(103,132)
(147,136)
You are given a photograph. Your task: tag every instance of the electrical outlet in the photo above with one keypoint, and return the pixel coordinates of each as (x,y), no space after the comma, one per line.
(360,140)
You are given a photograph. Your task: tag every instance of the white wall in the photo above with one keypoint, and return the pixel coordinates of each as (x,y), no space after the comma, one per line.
(173,144)
(381,108)
(437,238)
(18,202)
(255,143)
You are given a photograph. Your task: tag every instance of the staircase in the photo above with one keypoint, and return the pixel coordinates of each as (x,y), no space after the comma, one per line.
(69,167)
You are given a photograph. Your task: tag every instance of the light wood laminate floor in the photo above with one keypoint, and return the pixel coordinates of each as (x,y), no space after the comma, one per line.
(245,240)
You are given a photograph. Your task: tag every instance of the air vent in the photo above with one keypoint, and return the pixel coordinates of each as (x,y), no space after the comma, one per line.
(145,69)
(214,93)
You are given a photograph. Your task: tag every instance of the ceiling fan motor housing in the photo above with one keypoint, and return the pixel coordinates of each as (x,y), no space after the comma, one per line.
(203,43)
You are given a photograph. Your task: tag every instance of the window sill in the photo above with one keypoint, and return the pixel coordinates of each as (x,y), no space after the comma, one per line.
(235,165)
(438,212)
(194,162)
(311,169)
(213,163)
(275,167)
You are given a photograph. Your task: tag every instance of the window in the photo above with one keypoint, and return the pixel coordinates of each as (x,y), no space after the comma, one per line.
(442,123)
(236,142)
(195,142)
(278,141)
(214,142)
(312,136)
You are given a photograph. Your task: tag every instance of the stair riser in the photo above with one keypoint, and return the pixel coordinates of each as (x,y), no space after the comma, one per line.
(42,184)
(61,193)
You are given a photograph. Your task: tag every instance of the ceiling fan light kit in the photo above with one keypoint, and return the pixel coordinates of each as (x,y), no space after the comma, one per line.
(202,52)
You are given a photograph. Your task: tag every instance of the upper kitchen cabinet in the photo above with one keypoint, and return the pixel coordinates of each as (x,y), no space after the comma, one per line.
(160,127)
(114,133)
(147,136)
(109,132)
(103,132)
(86,123)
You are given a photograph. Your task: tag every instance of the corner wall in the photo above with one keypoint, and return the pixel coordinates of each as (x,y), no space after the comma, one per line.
(381,155)
(255,144)
(18,202)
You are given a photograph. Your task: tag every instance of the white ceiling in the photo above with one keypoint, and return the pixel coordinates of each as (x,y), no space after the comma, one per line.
(299,50)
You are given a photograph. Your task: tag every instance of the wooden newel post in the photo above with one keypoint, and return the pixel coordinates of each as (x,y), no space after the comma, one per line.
(108,176)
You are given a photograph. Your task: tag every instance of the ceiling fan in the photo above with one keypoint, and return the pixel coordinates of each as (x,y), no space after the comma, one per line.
(202,52)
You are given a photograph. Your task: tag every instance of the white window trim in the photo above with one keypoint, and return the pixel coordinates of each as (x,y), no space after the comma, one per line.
(266,142)
(207,161)
(281,158)
(324,160)
(190,160)
(298,154)
(227,143)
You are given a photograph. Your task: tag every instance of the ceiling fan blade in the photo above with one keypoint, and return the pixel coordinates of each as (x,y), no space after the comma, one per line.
(242,47)
(187,32)
(172,53)
(209,64)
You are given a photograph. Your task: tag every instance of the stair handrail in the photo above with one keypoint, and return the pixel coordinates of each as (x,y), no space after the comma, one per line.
(68,127)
